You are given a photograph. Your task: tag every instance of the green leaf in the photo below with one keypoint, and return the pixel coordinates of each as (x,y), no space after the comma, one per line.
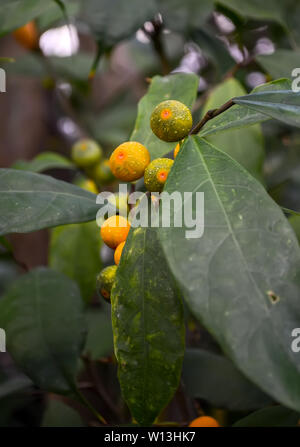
(181,87)
(273,10)
(42,314)
(13,385)
(8,271)
(16,13)
(181,16)
(148,327)
(238,117)
(250,153)
(58,414)
(43,162)
(215,379)
(75,251)
(295,222)
(276,416)
(241,278)
(111,22)
(282,105)
(280,64)
(30,202)
(99,341)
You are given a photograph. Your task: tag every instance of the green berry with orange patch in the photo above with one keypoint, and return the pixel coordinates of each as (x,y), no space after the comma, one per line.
(86,153)
(105,281)
(157,173)
(171,121)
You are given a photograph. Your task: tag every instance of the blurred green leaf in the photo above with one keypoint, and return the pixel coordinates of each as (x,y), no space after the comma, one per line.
(13,385)
(283,105)
(276,416)
(181,16)
(241,277)
(215,379)
(280,64)
(181,87)
(256,9)
(8,271)
(16,13)
(99,341)
(75,251)
(250,153)
(59,414)
(55,14)
(31,201)
(42,314)
(148,327)
(43,162)
(111,22)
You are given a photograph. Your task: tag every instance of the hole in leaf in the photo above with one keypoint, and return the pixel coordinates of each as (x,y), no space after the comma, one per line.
(273,297)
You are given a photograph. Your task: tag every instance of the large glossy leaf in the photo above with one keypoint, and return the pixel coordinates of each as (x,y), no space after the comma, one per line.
(75,251)
(148,327)
(182,87)
(250,153)
(279,64)
(30,202)
(283,105)
(238,117)
(43,162)
(42,314)
(214,378)
(241,278)
(276,416)
(15,13)
(111,22)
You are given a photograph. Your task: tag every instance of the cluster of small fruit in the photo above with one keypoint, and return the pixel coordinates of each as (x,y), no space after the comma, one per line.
(170,121)
(87,154)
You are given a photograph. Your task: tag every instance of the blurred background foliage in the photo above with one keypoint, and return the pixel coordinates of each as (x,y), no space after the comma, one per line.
(92,64)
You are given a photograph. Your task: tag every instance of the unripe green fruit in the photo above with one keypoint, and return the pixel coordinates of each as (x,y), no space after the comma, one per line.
(171,121)
(105,281)
(86,153)
(156,174)
(101,173)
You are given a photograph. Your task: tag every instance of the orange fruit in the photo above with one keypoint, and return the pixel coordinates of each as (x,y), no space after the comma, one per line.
(157,173)
(27,36)
(118,252)
(115,230)
(176,150)
(129,161)
(171,121)
(204,421)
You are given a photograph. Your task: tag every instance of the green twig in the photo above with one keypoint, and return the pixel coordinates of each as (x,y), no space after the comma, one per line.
(210,114)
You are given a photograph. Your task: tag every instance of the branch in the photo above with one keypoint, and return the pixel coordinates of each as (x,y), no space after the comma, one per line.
(210,114)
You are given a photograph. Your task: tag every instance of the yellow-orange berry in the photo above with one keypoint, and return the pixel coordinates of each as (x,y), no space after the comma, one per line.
(171,120)
(177,148)
(157,173)
(118,252)
(129,161)
(27,36)
(115,230)
(204,421)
